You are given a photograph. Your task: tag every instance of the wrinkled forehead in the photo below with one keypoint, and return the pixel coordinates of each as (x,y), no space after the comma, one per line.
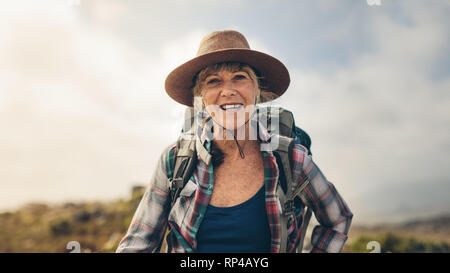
(220,67)
(223,72)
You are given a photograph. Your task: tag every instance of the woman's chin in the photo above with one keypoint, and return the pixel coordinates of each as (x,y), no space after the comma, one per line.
(231,126)
(234,124)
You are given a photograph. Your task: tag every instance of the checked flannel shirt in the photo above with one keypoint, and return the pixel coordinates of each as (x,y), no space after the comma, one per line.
(153,215)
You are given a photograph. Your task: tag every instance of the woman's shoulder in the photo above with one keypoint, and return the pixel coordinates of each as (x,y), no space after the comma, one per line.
(170,150)
(167,158)
(299,148)
(299,153)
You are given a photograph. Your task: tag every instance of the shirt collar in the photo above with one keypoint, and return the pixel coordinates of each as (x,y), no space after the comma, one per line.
(205,131)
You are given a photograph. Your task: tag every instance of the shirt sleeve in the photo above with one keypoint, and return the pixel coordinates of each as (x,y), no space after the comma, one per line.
(330,209)
(147,229)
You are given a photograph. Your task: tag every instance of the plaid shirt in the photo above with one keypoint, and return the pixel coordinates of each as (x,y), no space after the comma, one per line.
(153,214)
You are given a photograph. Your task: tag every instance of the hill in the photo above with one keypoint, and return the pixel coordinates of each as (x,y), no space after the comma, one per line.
(98,227)
(417,235)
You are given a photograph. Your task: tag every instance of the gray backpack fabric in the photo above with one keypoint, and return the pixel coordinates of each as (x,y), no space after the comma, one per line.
(288,135)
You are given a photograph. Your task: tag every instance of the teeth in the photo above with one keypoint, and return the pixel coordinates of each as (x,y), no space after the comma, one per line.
(231,106)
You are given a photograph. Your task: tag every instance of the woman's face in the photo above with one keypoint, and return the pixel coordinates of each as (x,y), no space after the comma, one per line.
(229,97)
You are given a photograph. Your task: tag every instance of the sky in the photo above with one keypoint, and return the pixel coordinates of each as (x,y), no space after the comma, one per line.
(84,115)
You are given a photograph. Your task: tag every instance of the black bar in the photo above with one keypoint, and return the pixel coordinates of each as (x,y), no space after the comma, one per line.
(163,262)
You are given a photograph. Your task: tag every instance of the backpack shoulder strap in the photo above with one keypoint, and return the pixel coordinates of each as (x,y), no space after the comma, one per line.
(305,224)
(287,193)
(284,192)
(188,147)
(279,119)
(283,120)
(184,165)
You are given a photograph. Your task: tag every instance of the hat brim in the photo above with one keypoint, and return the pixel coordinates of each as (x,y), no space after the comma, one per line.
(179,82)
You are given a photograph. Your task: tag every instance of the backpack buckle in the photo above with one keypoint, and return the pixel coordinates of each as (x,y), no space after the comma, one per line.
(288,207)
(175,183)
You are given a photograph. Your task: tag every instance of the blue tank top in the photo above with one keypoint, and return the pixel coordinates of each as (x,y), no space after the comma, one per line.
(237,229)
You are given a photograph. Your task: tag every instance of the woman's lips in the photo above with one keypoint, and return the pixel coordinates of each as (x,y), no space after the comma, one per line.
(231,107)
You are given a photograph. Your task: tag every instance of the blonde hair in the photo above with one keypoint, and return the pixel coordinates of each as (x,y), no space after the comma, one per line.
(264,94)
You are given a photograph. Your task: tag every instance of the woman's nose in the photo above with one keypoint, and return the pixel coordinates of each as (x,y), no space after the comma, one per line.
(228,88)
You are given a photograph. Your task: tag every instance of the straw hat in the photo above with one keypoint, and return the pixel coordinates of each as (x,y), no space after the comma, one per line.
(225,46)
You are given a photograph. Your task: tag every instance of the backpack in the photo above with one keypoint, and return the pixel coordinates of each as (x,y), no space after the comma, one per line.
(289,134)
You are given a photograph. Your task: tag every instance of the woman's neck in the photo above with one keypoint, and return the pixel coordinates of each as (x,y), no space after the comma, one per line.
(226,140)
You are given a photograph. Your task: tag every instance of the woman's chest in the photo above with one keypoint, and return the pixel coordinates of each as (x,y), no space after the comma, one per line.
(236,182)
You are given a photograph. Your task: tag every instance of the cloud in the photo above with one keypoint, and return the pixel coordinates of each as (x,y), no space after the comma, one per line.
(82,93)
(381,124)
(81,109)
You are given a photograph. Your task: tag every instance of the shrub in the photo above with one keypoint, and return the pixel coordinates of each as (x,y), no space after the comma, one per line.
(391,242)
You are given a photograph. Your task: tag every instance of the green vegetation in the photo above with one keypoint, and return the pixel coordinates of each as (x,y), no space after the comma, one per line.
(98,227)
(395,243)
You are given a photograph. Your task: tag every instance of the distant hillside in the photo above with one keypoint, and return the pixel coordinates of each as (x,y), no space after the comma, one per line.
(99,226)
(419,235)
(433,228)
(439,224)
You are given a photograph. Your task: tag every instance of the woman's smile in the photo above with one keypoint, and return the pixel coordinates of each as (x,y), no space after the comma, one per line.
(229,97)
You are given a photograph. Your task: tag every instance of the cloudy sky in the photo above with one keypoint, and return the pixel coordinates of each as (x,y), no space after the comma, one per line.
(84,114)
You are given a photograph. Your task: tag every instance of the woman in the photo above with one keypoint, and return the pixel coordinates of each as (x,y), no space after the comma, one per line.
(231,202)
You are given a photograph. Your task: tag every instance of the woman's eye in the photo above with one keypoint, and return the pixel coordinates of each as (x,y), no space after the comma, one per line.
(240,77)
(212,81)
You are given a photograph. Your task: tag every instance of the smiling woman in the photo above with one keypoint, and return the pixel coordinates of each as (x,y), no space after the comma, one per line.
(229,93)
(217,192)
(241,69)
